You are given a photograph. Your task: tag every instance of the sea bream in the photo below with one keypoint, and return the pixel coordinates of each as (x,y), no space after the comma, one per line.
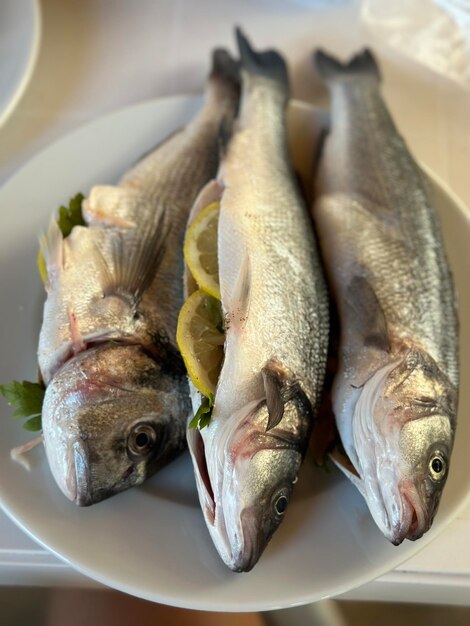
(396,389)
(116,402)
(275,307)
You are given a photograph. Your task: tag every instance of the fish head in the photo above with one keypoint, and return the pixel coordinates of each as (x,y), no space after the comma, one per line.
(111,417)
(404,431)
(264,480)
(245,494)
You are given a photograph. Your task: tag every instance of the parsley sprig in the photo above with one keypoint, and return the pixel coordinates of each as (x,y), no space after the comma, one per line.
(203,414)
(26,398)
(71,215)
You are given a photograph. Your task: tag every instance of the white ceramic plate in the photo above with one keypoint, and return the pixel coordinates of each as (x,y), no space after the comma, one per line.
(20,28)
(152,541)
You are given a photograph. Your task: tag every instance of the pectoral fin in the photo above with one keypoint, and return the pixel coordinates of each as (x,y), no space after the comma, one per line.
(280,388)
(136,259)
(127,254)
(366,315)
(342,462)
(239,305)
(274,400)
(211,192)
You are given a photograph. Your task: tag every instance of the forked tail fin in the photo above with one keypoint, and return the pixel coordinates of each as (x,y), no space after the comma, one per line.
(224,91)
(361,65)
(269,64)
(225,67)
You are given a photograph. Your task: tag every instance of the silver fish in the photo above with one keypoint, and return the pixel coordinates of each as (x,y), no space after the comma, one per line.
(275,306)
(116,401)
(395,393)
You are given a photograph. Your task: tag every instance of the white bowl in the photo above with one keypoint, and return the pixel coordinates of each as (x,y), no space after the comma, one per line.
(152,541)
(20,34)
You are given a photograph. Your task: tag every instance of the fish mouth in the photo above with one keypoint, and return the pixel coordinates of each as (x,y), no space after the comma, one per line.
(239,547)
(81,468)
(403,515)
(205,491)
(238,537)
(254,542)
(414,519)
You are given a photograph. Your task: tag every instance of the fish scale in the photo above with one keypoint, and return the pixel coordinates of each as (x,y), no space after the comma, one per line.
(275,305)
(167,181)
(380,169)
(116,401)
(396,389)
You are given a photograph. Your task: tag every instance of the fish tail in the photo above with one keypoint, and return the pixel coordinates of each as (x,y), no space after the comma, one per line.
(362,64)
(225,67)
(224,86)
(268,64)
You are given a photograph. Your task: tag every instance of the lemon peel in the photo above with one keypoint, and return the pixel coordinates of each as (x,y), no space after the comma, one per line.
(200,338)
(200,249)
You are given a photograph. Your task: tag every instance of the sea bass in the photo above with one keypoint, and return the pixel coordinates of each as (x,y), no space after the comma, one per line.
(116,402)
(395,392)
(275,307)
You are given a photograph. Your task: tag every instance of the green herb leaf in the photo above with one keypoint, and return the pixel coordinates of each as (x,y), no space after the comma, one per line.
(33,424)
(194,422)
(205,420)
(71,215)
(26,398)
(203,414)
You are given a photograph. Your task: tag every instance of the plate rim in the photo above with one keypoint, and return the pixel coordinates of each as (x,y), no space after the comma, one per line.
(30,65)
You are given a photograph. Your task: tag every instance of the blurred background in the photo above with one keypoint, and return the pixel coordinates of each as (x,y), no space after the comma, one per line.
(75,607)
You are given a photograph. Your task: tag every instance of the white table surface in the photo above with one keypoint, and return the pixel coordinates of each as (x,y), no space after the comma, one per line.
(100,55)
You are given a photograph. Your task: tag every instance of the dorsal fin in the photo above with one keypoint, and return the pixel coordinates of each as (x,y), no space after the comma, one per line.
(239,306)
(211,192)
(51,246)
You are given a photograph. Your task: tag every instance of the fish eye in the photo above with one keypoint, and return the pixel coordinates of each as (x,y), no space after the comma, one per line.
(141,440)
(280,504)
(437,466)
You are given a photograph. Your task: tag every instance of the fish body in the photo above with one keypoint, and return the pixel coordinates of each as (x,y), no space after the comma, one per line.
(396,389)
(107,351)
(276,320)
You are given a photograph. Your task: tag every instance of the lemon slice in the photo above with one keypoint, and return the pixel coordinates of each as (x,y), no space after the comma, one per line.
(200,249)
(200,338)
